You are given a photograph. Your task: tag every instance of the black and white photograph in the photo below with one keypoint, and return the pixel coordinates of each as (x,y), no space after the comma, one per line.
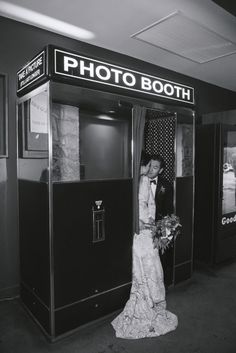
(118,176)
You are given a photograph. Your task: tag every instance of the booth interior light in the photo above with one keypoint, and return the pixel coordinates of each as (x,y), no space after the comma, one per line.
(105,117)
(34,18)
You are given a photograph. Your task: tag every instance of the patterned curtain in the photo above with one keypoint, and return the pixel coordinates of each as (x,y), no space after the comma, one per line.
(159,138)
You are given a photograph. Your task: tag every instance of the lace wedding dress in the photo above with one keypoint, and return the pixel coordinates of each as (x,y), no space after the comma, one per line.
(145,313)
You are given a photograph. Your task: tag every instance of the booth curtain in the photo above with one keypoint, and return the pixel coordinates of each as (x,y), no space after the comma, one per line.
(159,138)
(139,114)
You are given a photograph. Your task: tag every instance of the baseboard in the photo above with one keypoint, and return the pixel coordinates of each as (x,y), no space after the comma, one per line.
(9,292)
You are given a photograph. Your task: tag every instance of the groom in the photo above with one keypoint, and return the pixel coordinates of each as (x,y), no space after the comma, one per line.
(163,194)
(161,188)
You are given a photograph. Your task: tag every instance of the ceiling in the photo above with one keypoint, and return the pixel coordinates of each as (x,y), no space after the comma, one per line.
(193,37)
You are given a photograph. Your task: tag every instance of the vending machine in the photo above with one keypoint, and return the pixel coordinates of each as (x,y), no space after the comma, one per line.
(215,216)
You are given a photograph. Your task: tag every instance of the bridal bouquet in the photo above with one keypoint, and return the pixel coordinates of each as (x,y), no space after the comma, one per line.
(167,229)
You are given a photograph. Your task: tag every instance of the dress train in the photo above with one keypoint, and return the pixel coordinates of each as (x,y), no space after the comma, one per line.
(145,313)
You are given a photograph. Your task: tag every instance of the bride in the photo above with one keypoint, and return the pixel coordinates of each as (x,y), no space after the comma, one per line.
(145,313)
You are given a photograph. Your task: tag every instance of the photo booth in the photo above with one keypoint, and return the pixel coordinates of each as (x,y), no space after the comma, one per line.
(76,148)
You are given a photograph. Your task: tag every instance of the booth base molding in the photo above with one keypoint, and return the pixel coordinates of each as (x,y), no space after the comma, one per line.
(37,309)
(82,312)
(75,316)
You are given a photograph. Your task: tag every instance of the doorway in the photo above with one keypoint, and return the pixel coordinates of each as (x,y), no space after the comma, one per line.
(170,134)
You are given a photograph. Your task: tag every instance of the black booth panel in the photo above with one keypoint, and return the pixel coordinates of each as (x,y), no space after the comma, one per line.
(184,209)
(225,245)
(183,272)
(83,268)
(206,183)
(69,318)
(34,238)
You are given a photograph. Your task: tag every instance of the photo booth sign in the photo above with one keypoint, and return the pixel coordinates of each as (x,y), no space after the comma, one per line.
(84,68)
(73,68)
(32,72)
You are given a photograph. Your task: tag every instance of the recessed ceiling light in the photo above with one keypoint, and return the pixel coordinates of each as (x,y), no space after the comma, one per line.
(34,18)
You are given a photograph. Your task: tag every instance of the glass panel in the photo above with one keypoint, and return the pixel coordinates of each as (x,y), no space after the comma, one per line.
(33,138)
(229,172)
(89,144)
(65,134)
(105,147)
(184,146)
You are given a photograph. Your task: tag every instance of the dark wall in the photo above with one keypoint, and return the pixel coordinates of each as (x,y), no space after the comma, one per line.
(19,43)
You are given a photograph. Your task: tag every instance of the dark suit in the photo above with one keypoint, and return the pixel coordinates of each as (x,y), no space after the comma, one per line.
(163,198)
(164,206)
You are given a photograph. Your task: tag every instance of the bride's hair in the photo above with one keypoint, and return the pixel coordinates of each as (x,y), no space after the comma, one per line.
(145,158)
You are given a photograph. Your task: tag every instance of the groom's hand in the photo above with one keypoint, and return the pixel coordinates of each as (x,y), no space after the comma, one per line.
(141,225)
(151,220)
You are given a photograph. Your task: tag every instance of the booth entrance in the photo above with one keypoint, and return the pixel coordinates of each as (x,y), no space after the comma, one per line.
(75,173)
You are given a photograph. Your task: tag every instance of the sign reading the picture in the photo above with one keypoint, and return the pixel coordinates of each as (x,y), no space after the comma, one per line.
(31,72)
(84,68)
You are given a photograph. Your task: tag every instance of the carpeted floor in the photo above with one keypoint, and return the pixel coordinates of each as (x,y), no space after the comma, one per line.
(205,305)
